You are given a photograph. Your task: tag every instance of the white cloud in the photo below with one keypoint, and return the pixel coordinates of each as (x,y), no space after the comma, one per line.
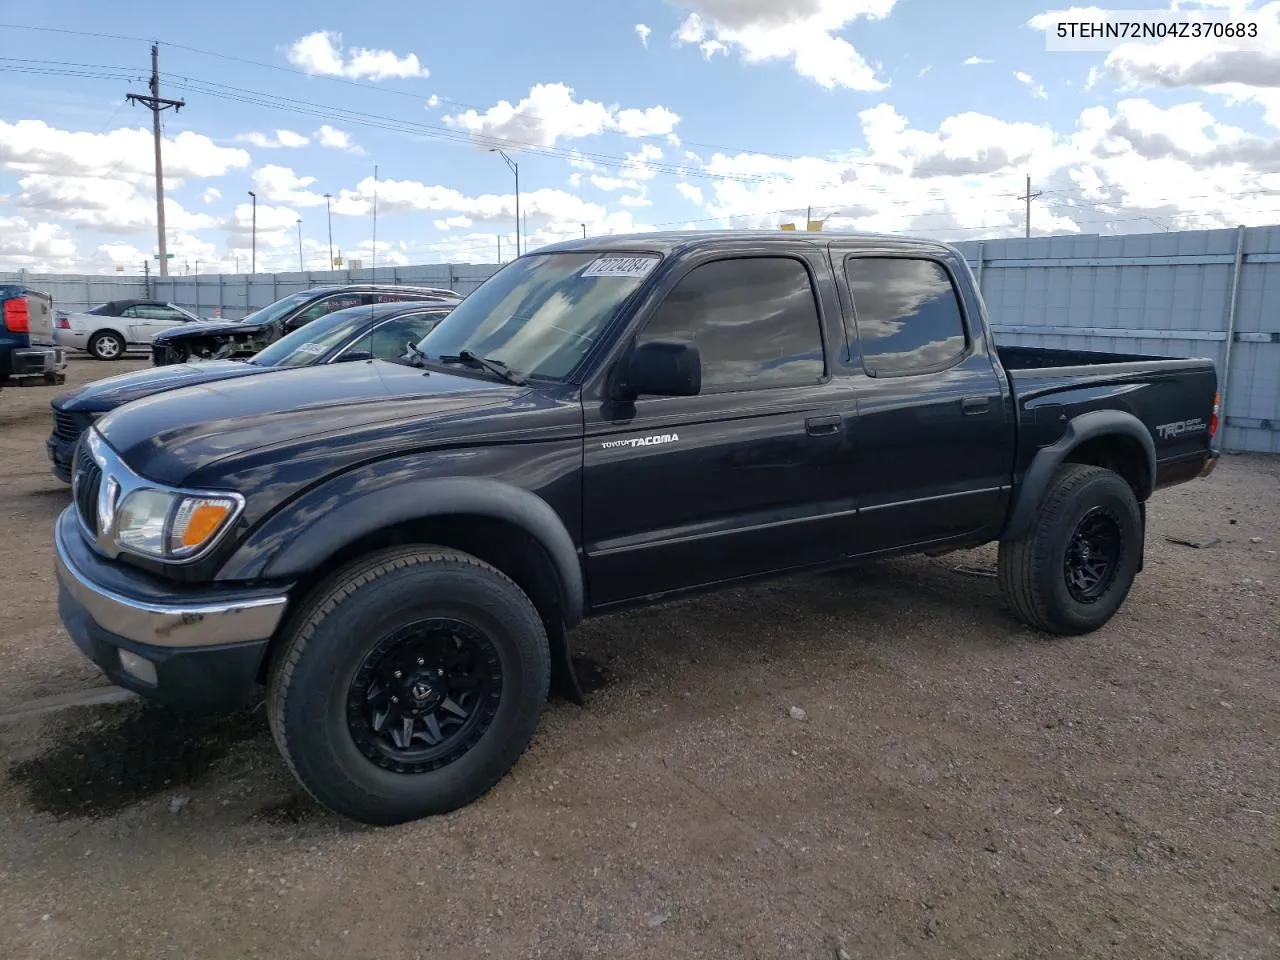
(1236,70)
(1116,171)
(36,246)
(805,32)
(322,53)
(281,185)
(32,146)
(1037,90)
(283,138)
(335,139)
(975,61)
(643,32)
(639,200)
(689,192)
(550,113)
(109,206)
(211,194)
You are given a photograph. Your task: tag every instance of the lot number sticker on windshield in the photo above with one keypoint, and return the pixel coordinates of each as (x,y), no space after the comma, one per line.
(621,267)
(312,349)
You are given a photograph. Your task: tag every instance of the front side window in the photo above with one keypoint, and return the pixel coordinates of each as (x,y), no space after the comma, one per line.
(907,316)
(754,319)
(391,339)
(541,314)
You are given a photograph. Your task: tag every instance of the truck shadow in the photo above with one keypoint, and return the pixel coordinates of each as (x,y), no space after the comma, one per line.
(102,760)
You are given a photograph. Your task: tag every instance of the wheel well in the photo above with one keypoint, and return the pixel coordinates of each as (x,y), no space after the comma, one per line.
(106,330)
(1120,454)
(503,544)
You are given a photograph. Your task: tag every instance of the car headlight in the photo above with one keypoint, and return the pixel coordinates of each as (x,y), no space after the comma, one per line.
(170,526)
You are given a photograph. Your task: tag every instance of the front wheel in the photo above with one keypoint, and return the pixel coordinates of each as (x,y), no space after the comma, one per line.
(408,685)
(1073,569)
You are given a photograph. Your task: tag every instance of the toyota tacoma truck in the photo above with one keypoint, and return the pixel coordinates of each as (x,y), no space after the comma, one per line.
(400,551)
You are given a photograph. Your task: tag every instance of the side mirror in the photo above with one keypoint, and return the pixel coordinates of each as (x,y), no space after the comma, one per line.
(350,356)
(664,368)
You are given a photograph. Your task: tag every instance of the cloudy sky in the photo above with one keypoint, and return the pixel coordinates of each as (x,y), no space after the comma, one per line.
(919,116)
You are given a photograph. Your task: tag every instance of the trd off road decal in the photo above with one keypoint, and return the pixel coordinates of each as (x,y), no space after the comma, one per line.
(1180,428)
(641,441)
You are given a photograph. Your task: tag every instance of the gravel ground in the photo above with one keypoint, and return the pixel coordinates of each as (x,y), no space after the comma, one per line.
(958,786)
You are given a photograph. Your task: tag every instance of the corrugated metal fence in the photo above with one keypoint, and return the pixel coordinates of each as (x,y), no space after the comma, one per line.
(1209,293)
(1205,293)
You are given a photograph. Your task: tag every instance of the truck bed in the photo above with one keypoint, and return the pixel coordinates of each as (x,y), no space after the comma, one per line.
(1016,359)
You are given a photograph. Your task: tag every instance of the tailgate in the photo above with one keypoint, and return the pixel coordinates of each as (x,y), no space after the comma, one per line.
(40,318)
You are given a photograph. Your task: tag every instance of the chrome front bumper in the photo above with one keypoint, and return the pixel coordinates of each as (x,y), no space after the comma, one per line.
(156,622)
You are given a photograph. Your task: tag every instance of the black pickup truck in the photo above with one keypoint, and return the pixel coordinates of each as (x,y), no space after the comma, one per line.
(399,549)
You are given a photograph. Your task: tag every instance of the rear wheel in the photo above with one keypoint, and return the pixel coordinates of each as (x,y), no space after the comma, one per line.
(106,345)
(1075,566)
(408,685)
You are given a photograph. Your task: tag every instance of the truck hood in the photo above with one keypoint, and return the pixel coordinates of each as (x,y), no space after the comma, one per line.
(204,328)
(250,425)
(111,392)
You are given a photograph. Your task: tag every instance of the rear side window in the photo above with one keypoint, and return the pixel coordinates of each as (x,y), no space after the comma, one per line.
(906,313)
(754,319)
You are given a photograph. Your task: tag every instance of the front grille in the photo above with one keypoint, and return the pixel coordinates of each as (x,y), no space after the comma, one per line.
(159,355)
(67,426)
(88,477)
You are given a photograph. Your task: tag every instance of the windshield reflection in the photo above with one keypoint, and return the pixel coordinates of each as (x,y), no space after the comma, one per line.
(540,315)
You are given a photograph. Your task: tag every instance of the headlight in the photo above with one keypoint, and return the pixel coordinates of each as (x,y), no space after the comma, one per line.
(170,526)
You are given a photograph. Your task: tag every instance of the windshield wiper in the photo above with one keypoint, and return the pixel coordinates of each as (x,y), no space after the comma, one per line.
(496,367)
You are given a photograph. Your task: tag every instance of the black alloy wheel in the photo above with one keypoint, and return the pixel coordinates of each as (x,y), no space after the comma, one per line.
(1093,555)
(424,695)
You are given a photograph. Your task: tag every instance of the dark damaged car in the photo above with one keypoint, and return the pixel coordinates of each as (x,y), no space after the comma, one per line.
(383,330)
(240,339)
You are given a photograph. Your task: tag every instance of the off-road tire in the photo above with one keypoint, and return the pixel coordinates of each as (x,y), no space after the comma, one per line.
(1033,578)
(106,345)
(342,620)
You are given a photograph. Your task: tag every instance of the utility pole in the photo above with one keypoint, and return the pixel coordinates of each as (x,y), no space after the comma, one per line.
(584,231)
(253,263)
(328,216)
(515,168)
(156,103)
(301,268)
(499,248)
(1029,196)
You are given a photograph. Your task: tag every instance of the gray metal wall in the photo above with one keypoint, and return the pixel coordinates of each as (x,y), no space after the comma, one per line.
(1165,294)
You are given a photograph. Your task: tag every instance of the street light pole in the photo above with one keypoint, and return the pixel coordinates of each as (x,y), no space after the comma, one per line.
(301,268)
(253,263)
(584,231)
(515,168)
(328,216)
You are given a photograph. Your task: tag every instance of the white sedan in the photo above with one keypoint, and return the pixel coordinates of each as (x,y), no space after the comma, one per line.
(109,329)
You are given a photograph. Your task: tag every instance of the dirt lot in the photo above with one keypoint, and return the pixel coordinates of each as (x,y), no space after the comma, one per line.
(961,787)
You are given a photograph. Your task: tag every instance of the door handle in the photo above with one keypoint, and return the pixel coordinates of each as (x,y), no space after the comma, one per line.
(823,426)
(975,405)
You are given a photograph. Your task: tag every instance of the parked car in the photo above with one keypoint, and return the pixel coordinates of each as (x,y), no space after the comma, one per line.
(399,552)
(106,331)
(225,339)
(27,348)
(382,330)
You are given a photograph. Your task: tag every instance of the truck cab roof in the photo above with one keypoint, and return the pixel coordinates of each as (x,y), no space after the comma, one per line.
(684,241)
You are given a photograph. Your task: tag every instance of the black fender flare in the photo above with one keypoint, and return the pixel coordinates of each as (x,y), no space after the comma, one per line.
(423,499)
(1079,429)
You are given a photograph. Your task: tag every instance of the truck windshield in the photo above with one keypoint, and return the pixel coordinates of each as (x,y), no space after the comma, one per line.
(540,314)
